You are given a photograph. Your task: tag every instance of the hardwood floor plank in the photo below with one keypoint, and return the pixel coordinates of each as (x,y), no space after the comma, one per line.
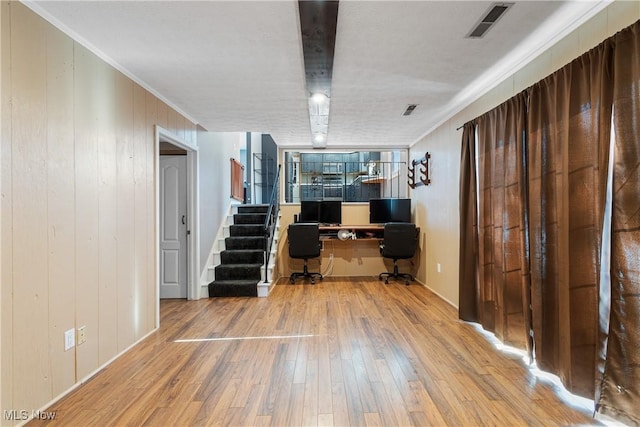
(325,402)
(296,405)
(354,403)
(271,393)
(311,386)
(282,404)
(346,351)
(249,411)
(364,384)
(372,419)
(385,408)
(395,396)
(340,407)
(428,409)
(325,420)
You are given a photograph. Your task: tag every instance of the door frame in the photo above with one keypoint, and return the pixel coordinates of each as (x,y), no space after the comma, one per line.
(193,219)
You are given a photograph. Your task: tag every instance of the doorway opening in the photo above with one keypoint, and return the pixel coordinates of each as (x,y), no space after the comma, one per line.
(177,236)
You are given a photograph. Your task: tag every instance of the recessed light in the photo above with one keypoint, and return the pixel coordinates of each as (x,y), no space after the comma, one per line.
(318,97)
(319,138)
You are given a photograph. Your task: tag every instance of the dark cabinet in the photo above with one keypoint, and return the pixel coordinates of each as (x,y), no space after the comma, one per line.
(361,191)
(311,163)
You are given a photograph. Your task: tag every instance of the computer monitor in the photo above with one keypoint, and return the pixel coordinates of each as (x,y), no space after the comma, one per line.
(331,212)
(382,211)
(309,211)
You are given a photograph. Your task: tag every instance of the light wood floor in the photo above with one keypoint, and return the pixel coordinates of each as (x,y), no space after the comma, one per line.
(342,352)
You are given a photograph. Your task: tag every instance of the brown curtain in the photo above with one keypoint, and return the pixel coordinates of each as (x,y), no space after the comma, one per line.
(569,128)
(502,295)
(620,394)
(468,273)
(561,209)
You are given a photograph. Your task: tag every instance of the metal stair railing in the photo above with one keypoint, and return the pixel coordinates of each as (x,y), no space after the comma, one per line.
(270,222)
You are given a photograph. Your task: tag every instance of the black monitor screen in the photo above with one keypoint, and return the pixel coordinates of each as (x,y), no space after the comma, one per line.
(389,210)
(309,211)
(331,212)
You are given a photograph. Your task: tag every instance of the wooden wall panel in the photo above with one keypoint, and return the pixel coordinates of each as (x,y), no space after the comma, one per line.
(141,213)
(78,209)
(104,81)
(87,208)
(151,109)
(163,115)
(181,131)
(172,121)
(61,213)
(6,216)
(31,368)
(125,210)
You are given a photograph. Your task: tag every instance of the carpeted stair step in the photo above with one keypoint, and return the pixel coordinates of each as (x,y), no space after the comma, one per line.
(236,230)
(233,288)
(253,209)
(238,272)
(244,242)
(249,218)
(242,256)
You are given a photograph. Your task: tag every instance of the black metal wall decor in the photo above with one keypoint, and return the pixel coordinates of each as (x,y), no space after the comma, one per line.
(423,172)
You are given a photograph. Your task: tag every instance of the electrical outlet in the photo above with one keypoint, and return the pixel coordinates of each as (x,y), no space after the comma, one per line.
(439,268)
(82,336)
(69,339)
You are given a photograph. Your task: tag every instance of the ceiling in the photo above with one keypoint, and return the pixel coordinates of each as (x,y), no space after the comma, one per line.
(238,65)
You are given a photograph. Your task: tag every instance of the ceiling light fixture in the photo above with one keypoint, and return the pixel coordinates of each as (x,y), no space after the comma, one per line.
(319,97)
(319,138)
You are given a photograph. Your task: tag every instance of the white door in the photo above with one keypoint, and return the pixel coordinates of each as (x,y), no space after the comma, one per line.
(173,226)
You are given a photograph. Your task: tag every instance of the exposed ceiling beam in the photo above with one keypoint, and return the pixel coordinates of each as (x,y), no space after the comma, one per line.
(318,23)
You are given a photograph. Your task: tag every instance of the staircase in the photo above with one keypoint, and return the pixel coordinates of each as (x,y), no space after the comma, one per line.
(241,265)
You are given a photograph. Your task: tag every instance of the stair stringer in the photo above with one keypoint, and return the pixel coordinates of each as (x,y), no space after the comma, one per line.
(266,283)
(208,274)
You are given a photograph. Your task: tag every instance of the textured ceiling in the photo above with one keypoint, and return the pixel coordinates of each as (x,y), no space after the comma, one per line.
(238,65)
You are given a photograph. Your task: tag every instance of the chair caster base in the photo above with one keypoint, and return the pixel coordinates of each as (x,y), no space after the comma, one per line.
(407,278)
(311,276)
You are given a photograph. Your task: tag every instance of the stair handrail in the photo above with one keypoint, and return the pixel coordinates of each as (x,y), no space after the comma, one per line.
(270,221)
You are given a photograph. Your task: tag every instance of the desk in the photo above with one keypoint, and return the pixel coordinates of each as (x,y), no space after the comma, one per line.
(348,258)
(362,232)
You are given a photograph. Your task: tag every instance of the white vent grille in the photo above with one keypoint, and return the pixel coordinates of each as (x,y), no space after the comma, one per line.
(488,20)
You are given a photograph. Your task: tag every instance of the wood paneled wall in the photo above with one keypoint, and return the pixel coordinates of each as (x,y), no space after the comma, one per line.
(78,208)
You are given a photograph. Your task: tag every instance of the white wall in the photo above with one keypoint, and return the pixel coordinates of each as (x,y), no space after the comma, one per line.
(256,148)
(215,149)
(436,206)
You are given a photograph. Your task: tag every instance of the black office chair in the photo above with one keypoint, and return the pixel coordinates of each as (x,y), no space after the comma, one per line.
(399,242)
(304,243)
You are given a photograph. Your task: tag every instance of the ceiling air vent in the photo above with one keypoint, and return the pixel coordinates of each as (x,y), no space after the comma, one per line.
(493,15)
(409,109)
